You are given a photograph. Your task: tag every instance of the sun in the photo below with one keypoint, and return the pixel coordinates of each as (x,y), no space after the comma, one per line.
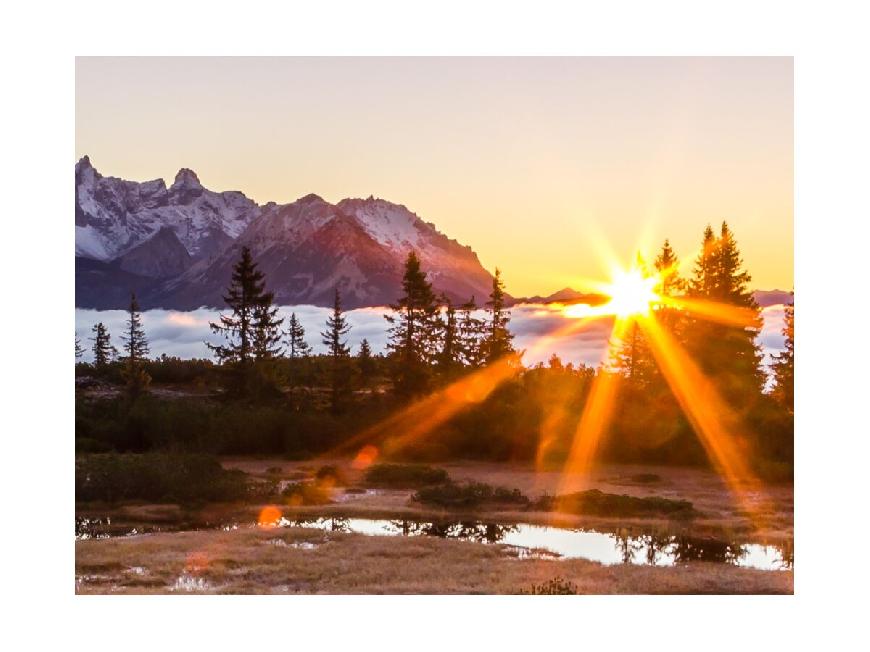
(631,293)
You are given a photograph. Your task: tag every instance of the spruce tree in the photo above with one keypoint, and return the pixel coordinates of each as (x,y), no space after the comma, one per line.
(703,282)
(135,343)
(449,355)
(471,335)
(136,348)
(783,364)
(498,342)
(267,330)
(337,350)
(251,317)
(727,353)
(80,350)
(413,331)
(365,362)
(103,349)
(296,346)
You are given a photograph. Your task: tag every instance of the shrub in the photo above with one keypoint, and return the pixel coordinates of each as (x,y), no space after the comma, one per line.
(156,477)
(307,493)
(405,476)
(330,474)
(555,586)
(596,503)
(472,494)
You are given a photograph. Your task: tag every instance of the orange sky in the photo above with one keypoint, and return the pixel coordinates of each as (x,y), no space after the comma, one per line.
(533,162)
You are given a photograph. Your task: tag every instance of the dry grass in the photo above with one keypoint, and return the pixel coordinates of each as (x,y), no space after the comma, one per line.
(719,511)
(298,560)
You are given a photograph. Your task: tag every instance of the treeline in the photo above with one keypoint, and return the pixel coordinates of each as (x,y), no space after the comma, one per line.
(266,393)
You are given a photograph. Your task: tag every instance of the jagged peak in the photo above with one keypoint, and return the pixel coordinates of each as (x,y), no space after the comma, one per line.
(187,178)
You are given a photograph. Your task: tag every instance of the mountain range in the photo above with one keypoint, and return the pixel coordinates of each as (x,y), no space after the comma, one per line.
(175,246)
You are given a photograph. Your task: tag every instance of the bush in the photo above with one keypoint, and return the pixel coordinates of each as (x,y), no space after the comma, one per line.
(472,494)
(156,477)
(405,476)
(555,586)
(307,493)
(331,475)
(596,503)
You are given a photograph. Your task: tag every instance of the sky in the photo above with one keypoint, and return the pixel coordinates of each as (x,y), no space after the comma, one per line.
(540,164)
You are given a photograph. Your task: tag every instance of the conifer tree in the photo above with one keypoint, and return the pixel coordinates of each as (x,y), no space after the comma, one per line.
(704,280)
(250,306)
(267,330)
(413,330)
(135,344)
(103,350)
(449,355)
(80,350)
(337,350)
(783,364)
(296,345)
(136,348)
(471,334)
(667,265)
(727,353)
(365,362)
(498,342)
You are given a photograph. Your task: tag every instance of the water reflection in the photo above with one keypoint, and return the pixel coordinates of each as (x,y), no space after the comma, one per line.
(619,547)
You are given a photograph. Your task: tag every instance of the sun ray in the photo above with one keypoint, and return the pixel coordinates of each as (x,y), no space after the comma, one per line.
(595,417)
(424,415)
(715,423)
(721,313)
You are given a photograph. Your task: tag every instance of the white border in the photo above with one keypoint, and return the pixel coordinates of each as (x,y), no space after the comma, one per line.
(829,43)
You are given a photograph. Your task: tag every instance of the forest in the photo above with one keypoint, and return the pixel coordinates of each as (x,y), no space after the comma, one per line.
(265,392)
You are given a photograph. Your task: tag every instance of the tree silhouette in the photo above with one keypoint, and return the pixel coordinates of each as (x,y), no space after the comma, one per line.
(338,352)
(251,317)
(296,345)
(103,350)
(498,338)
(413,330)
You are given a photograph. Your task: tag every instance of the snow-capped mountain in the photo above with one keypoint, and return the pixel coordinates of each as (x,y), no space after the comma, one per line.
(113,216)
(176,246)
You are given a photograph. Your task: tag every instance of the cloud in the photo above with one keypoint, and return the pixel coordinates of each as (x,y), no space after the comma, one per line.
(184,334)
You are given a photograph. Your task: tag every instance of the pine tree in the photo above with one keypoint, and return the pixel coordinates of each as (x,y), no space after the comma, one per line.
(449,355)
(136,348)
(667,265)
(413,330)
(338,352)
(80,350)
(296,345)
(498,338)
(471,335)
(727,353)
(365,362)
(704,280)
(103,350)
(783,364)
(249,302)
(135,343)
(267,330)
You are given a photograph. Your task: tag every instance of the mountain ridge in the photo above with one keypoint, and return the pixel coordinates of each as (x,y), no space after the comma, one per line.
(177,245)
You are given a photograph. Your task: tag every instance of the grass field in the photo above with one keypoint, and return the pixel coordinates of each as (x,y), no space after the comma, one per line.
(303,560)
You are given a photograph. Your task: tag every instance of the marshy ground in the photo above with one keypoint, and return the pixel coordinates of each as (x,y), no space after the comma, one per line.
(219,549)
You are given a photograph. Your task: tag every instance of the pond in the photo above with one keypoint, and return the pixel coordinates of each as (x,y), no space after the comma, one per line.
(618,547)
(624,546)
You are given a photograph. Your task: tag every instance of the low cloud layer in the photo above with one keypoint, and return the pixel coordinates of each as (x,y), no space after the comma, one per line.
(184,334)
